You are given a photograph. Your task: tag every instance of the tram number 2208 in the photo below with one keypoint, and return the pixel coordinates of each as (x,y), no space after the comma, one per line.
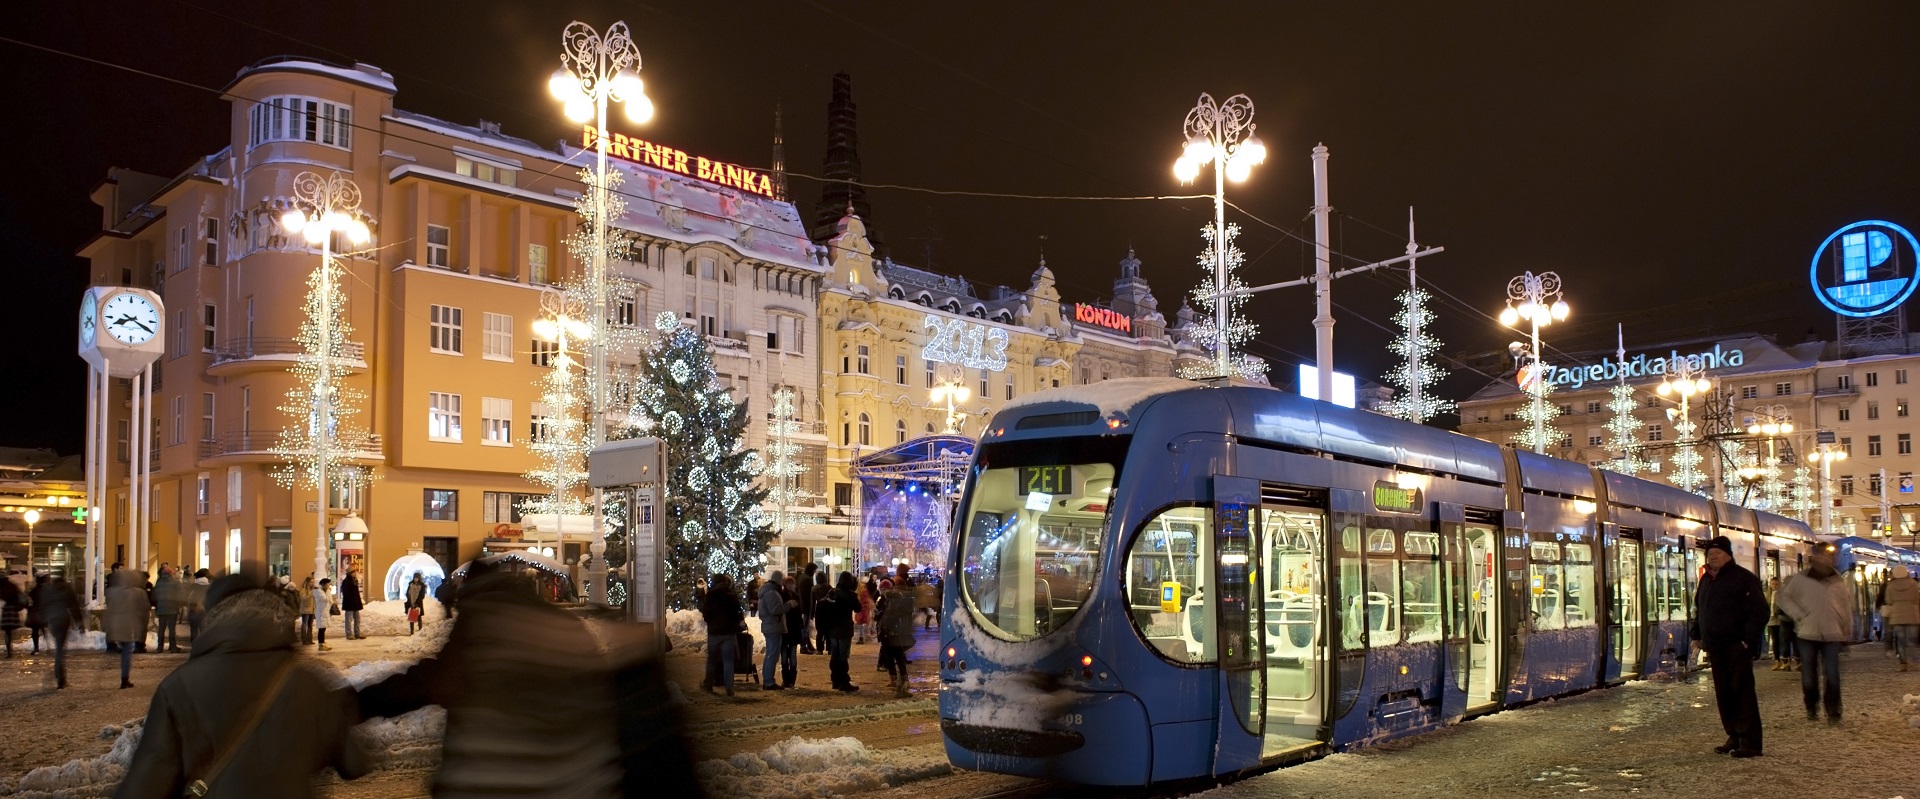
(1070,719)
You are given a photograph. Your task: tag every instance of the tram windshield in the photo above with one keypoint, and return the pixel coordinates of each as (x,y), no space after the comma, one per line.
(1033,533)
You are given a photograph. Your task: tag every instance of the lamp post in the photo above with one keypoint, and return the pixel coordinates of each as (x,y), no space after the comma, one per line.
(952,391)
(1825,457)
(321,208)
(1221,134)
(1770,422)
(33,518)
(1541,304)
(1684,380)
(596,69)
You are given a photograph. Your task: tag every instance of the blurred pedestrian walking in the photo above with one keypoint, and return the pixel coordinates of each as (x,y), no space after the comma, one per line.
(197,604)
(896,633)
(1902,595)
(13,608)
(126,618)
(416,605)
(1820,600)
(36,615)
(61,609)
(169,599)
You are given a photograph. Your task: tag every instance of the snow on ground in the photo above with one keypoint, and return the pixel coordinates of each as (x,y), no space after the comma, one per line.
(390,617)
(813,718)
(800,768)
(81,778)
(688,631)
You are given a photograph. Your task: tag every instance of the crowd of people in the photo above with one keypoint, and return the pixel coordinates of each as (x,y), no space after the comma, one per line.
(806,615)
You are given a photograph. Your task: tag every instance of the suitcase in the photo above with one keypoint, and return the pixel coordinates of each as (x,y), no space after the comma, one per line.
(745,666)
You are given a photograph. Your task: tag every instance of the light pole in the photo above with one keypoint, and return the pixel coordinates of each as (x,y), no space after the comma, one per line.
(1825,457)
(321,208)
(1684,380)
(1771,422)
(596,69)
(560,444)
(33,518)
(1541,304)
(1221,134)
(951,390)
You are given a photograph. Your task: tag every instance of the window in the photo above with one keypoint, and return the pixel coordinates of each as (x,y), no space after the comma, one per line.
(1844,382)
(706,269)
(1873,379)
(1782,389)
(213,241)
(1873,485)
(481,170)
(1593,406)
(496,343)
(540,423)
(930,374)
(246,408)
(1873,446)
(866,431)
(345,496)
(121,447)
(1577,595)
(537,265)
(1846,485)
(1593,441)
(180,248)
(1749,392)
(1846,414)
(1899,377)
(710,317)
(443,417)
(1900,408)
(496,422)
(1846,445)
(206,416)
(439,247)
(1009,388)
(842,494)
(178,345)
(1903,444)
(440,504)
(542,352)
(208,316)
(1015,597)
(1544,586)
(900,369)
(984,392)
(300,119)
(626,311)
(861,361)
(202,494)
(179,433)
(900,431)
(443,329)
(1655,432)
(500,507)
(786,334)
(1564,407)
(1873,410)
(234,487)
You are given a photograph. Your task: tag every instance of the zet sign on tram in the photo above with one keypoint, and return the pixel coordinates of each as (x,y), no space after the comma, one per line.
(1865,269)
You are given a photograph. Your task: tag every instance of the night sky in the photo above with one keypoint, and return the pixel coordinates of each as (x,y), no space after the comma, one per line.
(1676,163)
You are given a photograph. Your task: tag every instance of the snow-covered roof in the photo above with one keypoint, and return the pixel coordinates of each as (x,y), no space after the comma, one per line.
(364,74)
(1120,394)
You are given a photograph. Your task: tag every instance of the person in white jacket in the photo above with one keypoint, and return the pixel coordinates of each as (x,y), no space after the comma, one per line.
(322,607)
(1820,602)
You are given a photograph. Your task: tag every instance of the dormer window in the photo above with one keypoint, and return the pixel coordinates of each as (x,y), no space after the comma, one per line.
(306,119)
(481,170)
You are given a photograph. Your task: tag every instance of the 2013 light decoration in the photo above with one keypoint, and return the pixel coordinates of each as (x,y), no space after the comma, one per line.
(784,470)
(958,341)
(561,439)
(320,447)
(712,519)
(1417,373)
(1207,332)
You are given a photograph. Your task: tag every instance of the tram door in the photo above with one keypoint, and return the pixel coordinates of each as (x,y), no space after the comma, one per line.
(1629,634)
(1293,540)
(1472,596)
(1239,580)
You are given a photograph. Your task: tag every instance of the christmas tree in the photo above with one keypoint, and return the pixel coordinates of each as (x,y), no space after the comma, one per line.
(784,469)
(1206,331)
(1804,501)
(1416,374)
(1623,434)
(1686,459)
(558,434)
(1539,405)
(711,516)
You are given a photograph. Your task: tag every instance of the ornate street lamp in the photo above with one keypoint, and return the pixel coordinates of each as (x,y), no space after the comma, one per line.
(1684,380)
(1221,134)
(952,390)
(1541,304)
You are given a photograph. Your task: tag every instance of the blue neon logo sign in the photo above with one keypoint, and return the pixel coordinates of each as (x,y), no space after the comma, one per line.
(1860,269)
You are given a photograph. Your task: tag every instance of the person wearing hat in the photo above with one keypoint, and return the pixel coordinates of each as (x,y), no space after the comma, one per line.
(1821,603)
(1730,618)
(1902,602)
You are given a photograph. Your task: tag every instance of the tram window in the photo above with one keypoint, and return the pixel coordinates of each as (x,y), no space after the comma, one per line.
(1350,541)
(1383,593)
(1578,597)
(1544,585)
(1380,542)
(1689,569)
(1674,586)
(1420,588)
(1032,543)
(1169,562)
(1353,589)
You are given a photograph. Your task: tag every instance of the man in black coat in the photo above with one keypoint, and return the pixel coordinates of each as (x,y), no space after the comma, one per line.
(1730,616)
(806,607)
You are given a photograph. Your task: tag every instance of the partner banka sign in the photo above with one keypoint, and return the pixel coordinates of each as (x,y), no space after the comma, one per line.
(1865,269)
(1643,365)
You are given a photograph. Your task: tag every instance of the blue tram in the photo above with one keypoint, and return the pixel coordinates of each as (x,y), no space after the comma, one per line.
(1153,579)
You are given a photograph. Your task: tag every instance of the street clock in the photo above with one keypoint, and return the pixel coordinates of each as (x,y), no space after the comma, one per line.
(120,329)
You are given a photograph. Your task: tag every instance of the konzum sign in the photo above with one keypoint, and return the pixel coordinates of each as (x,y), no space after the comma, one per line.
(1104,317)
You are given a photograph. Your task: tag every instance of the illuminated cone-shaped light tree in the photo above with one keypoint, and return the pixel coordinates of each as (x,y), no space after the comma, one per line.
(1686,473)
(1623,434)
(1540,405)
(1207,331)
(1804,501)
(784,468)
(1416,374)
(558,435)
(711,508)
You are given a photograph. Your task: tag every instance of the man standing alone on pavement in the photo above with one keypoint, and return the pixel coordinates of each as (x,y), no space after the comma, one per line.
(1820,600)
(1730,615)
(351,603)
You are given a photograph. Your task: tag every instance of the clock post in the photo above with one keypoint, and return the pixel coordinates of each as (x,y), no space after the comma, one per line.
(120,337)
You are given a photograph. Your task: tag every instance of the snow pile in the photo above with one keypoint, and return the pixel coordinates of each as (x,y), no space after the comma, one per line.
(407,741)
(801,768)
(84,777)
(688,630)
(390,618)
(815,718)
(425,643)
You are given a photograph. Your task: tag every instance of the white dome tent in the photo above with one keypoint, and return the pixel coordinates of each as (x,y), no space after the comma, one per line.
(401,573)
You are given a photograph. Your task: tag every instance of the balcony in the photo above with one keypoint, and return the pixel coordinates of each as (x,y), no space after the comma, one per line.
(1836,392)
(257,445)
(256,354)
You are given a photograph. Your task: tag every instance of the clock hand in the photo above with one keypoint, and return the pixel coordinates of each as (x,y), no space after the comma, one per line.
(141,326)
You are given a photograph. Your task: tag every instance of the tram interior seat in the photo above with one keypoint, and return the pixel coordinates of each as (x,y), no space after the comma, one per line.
(1291,620)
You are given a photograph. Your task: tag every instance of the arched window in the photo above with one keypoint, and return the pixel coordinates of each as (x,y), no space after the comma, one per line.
(866,431)
(929,428)
(900,432)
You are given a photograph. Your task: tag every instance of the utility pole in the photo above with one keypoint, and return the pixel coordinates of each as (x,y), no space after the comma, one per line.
(1322,275)
(1886,504)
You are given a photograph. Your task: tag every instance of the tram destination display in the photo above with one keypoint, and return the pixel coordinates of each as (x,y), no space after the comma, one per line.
(1044,479)
(1388,496)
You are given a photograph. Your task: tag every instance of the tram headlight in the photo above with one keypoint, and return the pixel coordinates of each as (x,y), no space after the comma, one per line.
(1086,667)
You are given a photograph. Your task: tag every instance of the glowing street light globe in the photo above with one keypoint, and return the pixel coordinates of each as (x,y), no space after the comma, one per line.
(1185,170)
(1509,316)
(1560,310)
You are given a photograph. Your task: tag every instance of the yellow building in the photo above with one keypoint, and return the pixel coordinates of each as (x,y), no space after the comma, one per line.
(898,340)
(470,231)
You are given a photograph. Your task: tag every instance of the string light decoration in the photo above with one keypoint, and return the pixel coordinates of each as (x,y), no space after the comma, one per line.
(1623,434)
(1686,458)
(1207,331)
(320,446)
(1417,373)
(1803,493)
(711,509)
(1685,378)
(1543,434)
(559,436)
(784,468)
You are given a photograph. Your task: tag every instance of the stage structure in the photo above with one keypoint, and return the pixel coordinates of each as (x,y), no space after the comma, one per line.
(908,492)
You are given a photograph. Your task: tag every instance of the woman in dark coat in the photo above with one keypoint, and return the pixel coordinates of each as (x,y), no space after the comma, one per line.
(60,608)
(126,618)
(834,614)
(725,620)
(13,603)
(37,620)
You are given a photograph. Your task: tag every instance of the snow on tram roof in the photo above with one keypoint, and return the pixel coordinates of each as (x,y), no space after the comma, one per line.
(1120,394)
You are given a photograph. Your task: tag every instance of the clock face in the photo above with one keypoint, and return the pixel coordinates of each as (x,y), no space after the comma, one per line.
(86,320)
(130,319)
